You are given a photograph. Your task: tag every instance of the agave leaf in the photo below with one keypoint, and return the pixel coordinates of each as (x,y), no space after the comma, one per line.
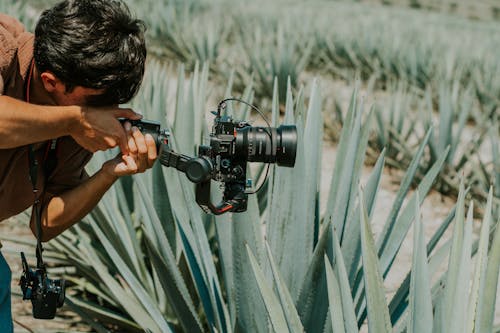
(311,303)
(129,303)
(294,202)
(465,108)
(203,288)
(250,310)
(175,287)
(403,190)
(481,262)
(198,278)
(378,313)
(351,246)
(495,146)
(358,166)
(151,221)
(343,147)
(199,97)
(90,311)
(183,125)
(248,96)
(197,236)
(488,286)
(224,232)
(334,299)
(398,303)
(131,279)
(348,315)
(342,181)
(420,288)
(381,134)
(398,229)
(453,277)
(113,224)
(273,306)
(131,243)
(313,136)
(286,301)
(445,120)
(162,204)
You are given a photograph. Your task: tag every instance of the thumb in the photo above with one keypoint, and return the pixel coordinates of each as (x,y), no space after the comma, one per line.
(127,113)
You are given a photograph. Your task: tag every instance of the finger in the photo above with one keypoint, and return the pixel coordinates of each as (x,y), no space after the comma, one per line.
(127,113)
(109,142)
(119,134)
(142,149)
(122,141)
(152,151)
(132,147)
(131,165)
(127,126)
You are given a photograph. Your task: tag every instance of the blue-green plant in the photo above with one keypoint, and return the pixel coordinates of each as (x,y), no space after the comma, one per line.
(147,258)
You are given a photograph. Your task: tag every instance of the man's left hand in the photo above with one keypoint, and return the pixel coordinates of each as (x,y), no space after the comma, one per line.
(142,154)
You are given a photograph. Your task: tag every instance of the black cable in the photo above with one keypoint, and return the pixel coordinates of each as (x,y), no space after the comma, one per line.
(222,104)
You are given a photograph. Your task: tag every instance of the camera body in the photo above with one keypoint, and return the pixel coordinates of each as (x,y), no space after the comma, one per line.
(46,295)
(232,145)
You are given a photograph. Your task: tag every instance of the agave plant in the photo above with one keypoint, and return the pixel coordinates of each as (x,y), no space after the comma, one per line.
(273,51)
(147,258)
(399,126)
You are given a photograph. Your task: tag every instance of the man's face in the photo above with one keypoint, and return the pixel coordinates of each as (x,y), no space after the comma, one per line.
(61,96)
(78,96)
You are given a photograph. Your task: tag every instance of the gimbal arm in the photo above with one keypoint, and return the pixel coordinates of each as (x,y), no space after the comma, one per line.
(199,170)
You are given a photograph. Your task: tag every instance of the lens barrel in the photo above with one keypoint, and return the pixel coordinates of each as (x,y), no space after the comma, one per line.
(267,144)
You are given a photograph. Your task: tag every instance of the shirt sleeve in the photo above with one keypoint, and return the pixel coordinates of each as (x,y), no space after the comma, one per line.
(70,169)
(12,35)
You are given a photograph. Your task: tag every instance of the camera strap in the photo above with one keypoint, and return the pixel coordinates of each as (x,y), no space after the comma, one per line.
(49,163)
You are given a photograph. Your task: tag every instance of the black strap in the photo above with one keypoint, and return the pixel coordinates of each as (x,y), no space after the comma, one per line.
(49,165)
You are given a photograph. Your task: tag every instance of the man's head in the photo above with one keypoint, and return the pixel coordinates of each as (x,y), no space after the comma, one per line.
(91,46)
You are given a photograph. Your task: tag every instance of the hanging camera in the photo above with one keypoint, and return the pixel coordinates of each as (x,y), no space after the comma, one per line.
(232,144)
(46,295)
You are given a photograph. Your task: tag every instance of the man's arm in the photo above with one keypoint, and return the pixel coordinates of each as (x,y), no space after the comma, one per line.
(62,211)
(94,129)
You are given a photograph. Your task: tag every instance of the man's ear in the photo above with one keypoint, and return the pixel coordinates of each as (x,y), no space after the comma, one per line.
(51,83)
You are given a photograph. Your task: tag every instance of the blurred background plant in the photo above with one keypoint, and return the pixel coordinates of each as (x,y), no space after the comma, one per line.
(148,258)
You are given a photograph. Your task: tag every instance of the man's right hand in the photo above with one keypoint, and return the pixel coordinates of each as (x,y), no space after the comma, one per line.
(99,128)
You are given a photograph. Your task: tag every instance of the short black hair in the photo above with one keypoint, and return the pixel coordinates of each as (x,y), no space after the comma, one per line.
(95,44)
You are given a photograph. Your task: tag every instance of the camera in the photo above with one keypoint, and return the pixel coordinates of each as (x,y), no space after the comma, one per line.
(46,295)
(232,144)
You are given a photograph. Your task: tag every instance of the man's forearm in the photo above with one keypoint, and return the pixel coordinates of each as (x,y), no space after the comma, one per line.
(23,123)
(63,211)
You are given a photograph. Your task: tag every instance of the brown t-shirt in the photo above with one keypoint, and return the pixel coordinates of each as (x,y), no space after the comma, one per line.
(16,190)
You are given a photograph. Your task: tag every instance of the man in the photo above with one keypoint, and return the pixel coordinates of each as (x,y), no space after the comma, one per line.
(66,82)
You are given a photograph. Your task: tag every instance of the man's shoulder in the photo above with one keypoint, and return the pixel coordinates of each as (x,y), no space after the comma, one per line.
(11,25)
(16,50)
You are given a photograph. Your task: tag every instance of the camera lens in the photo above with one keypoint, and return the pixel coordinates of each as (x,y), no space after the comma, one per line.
(267,144)
(287,147)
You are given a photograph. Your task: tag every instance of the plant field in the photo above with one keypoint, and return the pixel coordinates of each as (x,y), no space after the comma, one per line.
(407,97)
